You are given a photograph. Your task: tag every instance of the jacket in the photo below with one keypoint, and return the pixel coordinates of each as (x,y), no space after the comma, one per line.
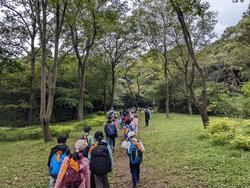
(85,173)
(59,147)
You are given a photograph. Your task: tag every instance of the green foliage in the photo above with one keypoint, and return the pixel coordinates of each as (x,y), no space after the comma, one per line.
(242,141)
(35,132)
(228,131)
(246,89)
(94,121)
(222,131)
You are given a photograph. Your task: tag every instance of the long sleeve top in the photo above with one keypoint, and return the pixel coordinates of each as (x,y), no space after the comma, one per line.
(85,173)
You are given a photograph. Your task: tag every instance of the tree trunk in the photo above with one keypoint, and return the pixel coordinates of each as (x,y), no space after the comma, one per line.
(105,95)
(32,80)
(43,38)
(82,85)
(166,85)
(189,105)
(113,85)
(188,41)
(204,115)
(46,132)
(167,100)
(81,92)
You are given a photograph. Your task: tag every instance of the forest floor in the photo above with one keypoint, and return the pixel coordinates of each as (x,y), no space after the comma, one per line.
(175,157)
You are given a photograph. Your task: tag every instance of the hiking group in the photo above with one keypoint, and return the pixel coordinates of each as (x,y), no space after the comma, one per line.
(92,157)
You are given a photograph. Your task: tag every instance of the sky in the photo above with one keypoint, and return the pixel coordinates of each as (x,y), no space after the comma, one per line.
(229,13)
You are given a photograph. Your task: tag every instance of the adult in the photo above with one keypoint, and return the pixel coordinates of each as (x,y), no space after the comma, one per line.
(101,159)
(147,115)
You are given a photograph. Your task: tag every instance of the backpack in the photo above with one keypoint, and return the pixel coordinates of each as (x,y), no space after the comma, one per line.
(147,114)
(135,154)
(127,129)
(85,138)
(100,163)
(110,130)
(72,177)
(56,162)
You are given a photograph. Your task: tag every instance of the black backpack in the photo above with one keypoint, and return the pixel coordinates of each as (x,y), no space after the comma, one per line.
(100,163)
(147,114)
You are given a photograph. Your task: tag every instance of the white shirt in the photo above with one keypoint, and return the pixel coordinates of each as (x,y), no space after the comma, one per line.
(127,144)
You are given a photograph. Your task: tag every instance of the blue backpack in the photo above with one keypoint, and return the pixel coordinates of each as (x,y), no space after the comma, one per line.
(135,154)
(110,130)
(56,162)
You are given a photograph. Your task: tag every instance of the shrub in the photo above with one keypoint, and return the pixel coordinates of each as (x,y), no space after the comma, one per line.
(35,132)
(14,134)
(221,131)
(242,141)
(58,130)
(94,121)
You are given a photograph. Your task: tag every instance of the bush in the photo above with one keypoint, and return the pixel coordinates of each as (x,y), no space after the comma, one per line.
(94,121)
(225,130)
(221,131)
(242,141)
(14,134)
(35,132)
(30,133)
(58,130)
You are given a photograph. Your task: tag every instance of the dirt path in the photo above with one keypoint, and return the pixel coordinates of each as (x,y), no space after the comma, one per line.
(121,177)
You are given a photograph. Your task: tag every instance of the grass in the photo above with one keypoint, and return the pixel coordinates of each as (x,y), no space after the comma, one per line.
(173,151)
(178,156)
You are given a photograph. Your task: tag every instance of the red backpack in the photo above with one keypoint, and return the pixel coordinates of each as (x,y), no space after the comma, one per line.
(72,177)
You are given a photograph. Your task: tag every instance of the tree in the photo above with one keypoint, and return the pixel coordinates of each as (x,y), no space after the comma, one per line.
(138,77)
(83,36)
(46,103)
(156,26)
(116,44)
(179,10)
(18,33)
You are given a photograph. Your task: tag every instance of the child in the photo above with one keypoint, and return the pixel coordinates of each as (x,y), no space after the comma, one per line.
(56,157)
(128,128)
(111,133)
(75,171)
(87,137)
(101,160)
(135,150)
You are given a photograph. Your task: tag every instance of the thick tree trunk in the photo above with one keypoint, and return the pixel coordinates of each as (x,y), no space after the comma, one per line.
(113,85)
(32,80)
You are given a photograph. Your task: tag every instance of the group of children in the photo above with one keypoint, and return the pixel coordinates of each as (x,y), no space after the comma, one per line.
(91,160)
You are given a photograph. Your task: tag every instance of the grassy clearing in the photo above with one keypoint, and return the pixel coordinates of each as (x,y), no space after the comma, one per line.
(174,154)
(182,160)
(24,163)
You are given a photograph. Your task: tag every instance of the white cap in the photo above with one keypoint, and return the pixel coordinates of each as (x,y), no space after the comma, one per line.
(131,134)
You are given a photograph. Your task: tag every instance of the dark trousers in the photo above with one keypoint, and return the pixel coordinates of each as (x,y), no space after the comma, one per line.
(111,141)
(146,121)
(101,181)
(135,172)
